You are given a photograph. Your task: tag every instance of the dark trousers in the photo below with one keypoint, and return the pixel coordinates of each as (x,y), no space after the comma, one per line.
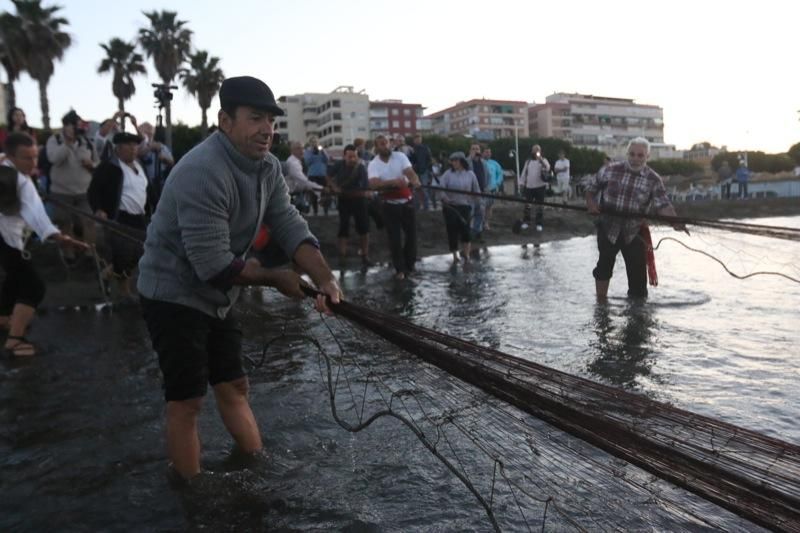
(401,219)
(125,252)
(535,195)
(635,255)
(726,191)
(456,221)
(22,284)
(742,189)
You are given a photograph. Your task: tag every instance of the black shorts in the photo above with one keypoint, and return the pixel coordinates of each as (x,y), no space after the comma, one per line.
(356,208)
(194,349)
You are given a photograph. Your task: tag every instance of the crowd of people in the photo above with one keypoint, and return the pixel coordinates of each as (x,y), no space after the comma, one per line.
(209,228)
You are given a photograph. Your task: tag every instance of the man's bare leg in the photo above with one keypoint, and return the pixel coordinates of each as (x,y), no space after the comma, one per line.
(601,287)
(183,442)
(21,317)
(236,414)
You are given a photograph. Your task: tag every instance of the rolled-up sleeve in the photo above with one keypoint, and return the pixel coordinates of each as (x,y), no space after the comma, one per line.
(596,182)
(660,196)
(32,210)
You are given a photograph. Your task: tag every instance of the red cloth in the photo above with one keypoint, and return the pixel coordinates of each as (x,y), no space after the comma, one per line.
(262,239)
(652,275)
(403,193)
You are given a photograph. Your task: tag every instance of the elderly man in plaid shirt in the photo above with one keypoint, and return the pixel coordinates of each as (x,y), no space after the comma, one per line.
(627,187)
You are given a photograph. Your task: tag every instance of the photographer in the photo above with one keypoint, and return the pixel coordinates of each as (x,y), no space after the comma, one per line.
(532,184)
(103,145)
(316,160)
(155,157)
(73,159)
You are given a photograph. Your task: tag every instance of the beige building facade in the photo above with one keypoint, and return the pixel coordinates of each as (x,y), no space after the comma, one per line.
(483,119)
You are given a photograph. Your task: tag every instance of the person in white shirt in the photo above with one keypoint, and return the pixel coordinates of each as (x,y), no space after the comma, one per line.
(561,169)
(532,185)
(21,208)
(392,175)
(119,192)
(297,182)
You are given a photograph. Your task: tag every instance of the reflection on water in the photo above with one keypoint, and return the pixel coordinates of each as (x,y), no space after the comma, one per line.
(623,352)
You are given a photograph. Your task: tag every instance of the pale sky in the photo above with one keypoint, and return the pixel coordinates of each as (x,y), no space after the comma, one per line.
(723,71)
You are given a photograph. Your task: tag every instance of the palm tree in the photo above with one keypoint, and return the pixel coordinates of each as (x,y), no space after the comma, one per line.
(10,52)
(122,60)
(202,79)
(44,42)
(168,42)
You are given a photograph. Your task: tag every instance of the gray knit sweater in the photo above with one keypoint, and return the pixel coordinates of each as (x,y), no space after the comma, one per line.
(207,216)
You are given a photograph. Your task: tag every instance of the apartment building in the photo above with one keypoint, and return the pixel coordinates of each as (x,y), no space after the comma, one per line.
(483,119)
(598,122)
(393,117)
(335,118)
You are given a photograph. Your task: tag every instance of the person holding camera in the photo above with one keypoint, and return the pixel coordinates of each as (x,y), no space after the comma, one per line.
(316,160)
(532,183)
(103,139)
(154,155)
(73,158)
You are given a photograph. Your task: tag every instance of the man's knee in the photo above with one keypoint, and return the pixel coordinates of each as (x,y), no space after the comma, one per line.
(232,390)
(184,409)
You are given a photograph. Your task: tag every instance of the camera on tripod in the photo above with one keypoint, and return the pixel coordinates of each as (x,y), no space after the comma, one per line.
(163,94)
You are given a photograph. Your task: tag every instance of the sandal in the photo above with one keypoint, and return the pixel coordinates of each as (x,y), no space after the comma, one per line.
(22,348)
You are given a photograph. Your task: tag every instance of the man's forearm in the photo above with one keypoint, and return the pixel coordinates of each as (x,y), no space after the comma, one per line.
(311,261)
(252,273)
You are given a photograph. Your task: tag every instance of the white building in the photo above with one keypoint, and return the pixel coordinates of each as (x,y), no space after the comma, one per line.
(335,118)
(602,123)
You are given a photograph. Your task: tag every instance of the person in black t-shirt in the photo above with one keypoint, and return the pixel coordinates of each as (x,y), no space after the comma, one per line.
(348,180)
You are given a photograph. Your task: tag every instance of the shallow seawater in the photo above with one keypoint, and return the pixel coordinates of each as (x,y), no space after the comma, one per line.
(81,432)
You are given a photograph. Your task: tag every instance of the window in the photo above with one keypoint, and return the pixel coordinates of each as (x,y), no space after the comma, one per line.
(406,112)
(407,124)
(395,112)
(395,123)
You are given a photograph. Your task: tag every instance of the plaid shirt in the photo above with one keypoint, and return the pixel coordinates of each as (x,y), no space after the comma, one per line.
(630,192)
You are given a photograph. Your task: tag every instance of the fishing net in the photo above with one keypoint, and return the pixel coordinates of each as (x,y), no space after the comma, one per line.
(540,449)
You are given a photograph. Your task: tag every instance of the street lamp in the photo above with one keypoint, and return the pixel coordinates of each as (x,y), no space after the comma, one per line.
(515,154)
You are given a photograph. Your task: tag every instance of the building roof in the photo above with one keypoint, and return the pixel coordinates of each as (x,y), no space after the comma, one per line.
(477,101)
